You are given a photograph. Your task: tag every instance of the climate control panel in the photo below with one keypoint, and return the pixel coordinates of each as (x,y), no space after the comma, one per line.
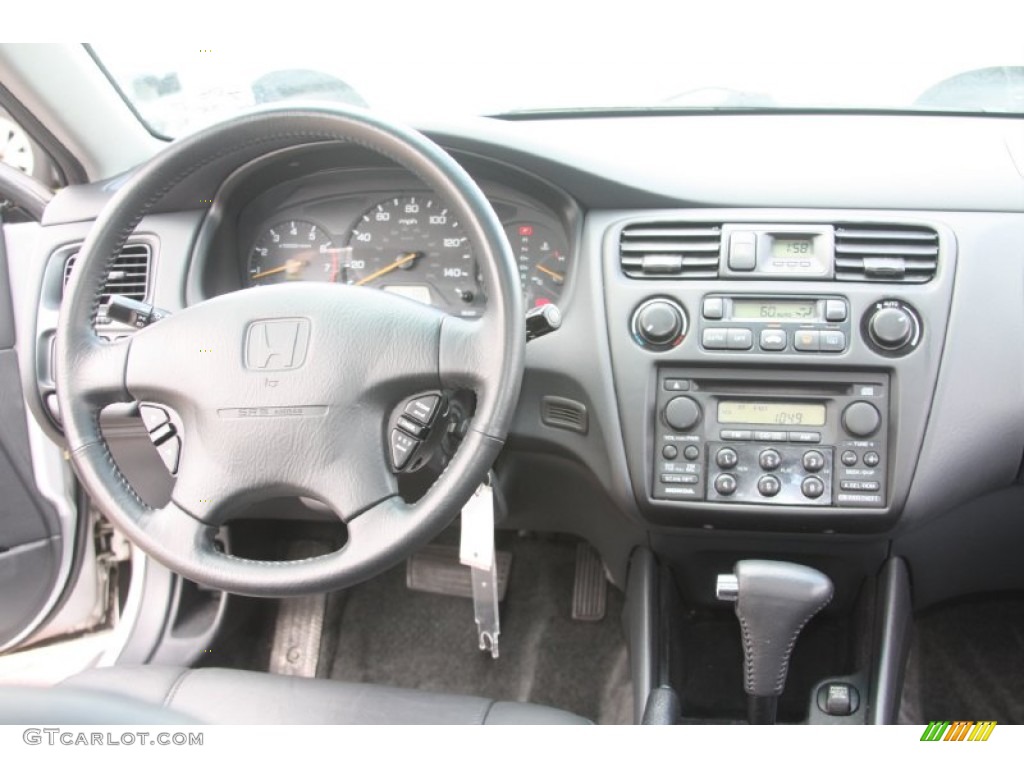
(789,440)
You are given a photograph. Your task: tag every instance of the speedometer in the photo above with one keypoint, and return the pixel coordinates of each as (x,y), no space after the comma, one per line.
(413,246)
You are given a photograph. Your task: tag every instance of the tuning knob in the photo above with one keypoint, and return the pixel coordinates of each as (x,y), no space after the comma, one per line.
(659,324)
(893,328)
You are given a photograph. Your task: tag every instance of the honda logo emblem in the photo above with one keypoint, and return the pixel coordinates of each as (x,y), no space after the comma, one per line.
(277,345)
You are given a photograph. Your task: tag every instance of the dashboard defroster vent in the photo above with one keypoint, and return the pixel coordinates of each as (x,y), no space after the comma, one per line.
(886,253)
(674,250)
(129,274)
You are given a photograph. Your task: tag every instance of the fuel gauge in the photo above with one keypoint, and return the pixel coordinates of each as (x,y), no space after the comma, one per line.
(543,257)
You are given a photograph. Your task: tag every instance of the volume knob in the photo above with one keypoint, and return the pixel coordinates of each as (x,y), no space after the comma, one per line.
(682,413)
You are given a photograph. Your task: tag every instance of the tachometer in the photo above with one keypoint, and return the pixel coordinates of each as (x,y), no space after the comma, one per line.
(413,246)
(294,250)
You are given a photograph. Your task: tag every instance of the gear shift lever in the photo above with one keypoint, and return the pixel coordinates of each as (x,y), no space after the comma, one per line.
(774,601)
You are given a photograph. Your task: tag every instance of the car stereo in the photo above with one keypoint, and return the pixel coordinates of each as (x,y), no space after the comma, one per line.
(794,439)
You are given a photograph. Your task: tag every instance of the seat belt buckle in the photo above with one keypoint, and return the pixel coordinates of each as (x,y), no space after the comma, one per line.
(476,549)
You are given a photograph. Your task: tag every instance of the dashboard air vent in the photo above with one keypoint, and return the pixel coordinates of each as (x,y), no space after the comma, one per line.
(563,413)
(886,253)
(129,274)
(672,250)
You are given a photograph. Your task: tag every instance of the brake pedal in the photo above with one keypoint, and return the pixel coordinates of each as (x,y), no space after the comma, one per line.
(436,569)
(590,587)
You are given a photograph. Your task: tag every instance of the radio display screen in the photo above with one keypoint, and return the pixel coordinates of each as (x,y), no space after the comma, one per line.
(781,414)
(774,310)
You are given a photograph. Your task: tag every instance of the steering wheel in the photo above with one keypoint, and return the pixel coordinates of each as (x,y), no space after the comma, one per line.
(309,417)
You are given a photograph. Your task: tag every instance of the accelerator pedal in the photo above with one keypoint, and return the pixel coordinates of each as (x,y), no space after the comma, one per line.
(436,569)
(299,628)
(590,588)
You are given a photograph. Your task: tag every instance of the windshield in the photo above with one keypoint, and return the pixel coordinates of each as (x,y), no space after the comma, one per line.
(864,57)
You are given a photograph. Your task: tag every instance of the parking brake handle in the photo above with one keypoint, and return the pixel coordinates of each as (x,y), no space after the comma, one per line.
(774,600)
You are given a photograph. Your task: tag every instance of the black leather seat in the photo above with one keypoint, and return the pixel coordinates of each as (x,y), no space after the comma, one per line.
(234,697)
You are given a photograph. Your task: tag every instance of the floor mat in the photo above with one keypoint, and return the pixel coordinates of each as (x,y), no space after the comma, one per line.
(389,634)
(967,663)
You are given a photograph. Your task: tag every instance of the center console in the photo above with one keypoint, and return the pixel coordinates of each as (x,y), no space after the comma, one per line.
(774,370)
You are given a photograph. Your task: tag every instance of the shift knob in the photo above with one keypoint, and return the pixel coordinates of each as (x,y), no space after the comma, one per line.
(774,600)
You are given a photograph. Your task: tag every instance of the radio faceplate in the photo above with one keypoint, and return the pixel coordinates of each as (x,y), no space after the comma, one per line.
(794,439)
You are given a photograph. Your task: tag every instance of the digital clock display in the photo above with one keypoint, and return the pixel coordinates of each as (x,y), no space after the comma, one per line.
(774,310)
(779,414)
(793,248)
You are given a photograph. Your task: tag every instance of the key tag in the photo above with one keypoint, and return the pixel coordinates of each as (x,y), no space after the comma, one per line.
(476,549)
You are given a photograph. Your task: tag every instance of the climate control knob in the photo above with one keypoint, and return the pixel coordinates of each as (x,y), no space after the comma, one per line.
(659,324)
(893,328)
(682,413)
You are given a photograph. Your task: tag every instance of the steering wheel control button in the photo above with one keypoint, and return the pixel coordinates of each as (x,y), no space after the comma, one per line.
(402,448)
(835,310)
(769,460)
(807,341)
(691,453)
(410,426)
(814,462)
(423,409)
(669,452)
(715,338)
(768,485)
(849,458)
(713,309)
(773,340)
(740,338)
(725,484)
(861,419)
(659,324)
(812,487)
(727,458)
(682,413)
(871,459)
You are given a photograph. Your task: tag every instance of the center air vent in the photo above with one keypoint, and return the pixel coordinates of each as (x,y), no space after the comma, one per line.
(884,253)
(128,276)
(670,250)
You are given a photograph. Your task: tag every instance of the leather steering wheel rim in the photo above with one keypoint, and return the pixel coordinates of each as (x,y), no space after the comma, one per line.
(321,430)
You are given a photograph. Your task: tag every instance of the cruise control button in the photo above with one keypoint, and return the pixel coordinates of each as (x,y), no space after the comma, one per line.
(807,341)
(715,338)
(740,338)
(833,341)
(768,485)
(402,447)
(773,340)
(725,485)
(410,426)
(423,408)
(812,487)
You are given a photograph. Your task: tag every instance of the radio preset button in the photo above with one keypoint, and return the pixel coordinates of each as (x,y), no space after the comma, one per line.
(727,458)
(736,434)
(768,485)
(805,437)
(763,436)
(769,460)
(740,338)
(871,459)
(849,458)
(669,452)
(715,338)
(713,309)
(725,485)
(682,413)
(835,310)
(861,419)
(833,341)
(814,461)
(807,341)
(773,340)
(812,487)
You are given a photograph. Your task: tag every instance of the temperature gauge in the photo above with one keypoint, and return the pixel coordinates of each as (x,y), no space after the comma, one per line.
(543,258)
